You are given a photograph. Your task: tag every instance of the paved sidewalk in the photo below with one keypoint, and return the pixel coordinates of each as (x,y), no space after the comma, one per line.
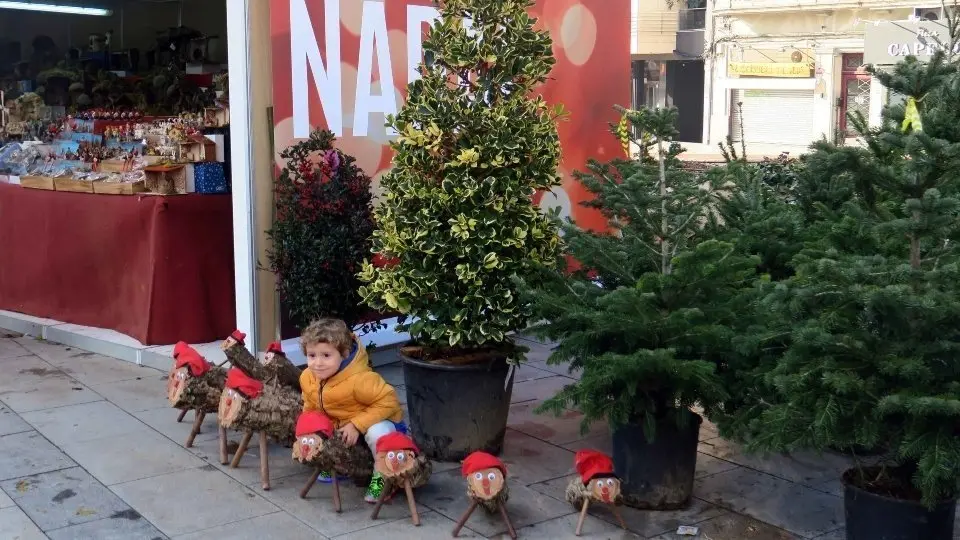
(90,449)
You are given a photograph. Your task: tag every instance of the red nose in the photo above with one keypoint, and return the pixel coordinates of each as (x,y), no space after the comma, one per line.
(606,493)
(486,486)
(228,402)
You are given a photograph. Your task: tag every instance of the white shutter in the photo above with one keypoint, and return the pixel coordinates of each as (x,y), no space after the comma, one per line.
(773,117)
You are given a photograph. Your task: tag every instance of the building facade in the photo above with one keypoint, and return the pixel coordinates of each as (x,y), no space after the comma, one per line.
(781,74)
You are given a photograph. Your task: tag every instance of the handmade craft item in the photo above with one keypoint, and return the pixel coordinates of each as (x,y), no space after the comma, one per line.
(194,384)
(280,371)
(249,406)
(399,461)
(595,481)
(486,487)
(239,357)
(317,445)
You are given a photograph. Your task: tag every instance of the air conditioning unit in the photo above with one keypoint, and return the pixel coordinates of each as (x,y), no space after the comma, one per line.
(927,14)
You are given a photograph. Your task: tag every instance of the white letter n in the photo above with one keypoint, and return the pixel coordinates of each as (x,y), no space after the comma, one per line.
(305,50)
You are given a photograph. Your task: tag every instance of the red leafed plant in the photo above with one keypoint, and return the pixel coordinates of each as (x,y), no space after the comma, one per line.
(321,232)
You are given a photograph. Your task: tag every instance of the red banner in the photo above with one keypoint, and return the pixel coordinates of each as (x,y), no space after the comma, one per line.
(344,64)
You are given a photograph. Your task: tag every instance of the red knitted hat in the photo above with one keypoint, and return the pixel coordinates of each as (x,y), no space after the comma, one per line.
(395,441)
(180,347)
(239,381)
(275,347)
(238,335)
(479,461)
(194,362)
(591,463)
(314,422)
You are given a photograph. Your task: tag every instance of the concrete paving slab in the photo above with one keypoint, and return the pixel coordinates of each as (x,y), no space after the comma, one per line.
(734,527)
(531,460)
(807,468)
(10,422)
(165,422)
(48,350)
(643,522)
(131,456)
(841,534)
(559,430)
(93,369)
(537,390)
(247,472)
(787,505)
(15,525)
(11,349)
(126,525)
(432,525)
(278,525)
(564,527)
(61,498)
(138,394)
(52,390)
(192,500)
(446,493)
(19,374)
(24,454)
(84,422)
(5,500)
(317,510)
(392,373)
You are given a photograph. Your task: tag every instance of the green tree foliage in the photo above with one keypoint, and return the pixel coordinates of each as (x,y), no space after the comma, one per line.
(872,315)
(474,144)
(649,315)
(322,231)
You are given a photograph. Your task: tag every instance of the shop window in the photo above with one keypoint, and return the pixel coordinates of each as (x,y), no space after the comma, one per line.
(854,92)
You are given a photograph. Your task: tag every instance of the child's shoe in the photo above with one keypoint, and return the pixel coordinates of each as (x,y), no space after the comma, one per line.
(326,478)
(375,489)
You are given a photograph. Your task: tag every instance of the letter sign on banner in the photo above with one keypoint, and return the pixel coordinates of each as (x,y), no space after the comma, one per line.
(345,64)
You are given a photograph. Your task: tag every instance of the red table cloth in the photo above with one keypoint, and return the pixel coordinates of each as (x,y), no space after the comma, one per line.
(159,269)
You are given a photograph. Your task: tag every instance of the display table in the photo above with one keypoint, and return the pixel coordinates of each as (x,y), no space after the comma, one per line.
(157,268)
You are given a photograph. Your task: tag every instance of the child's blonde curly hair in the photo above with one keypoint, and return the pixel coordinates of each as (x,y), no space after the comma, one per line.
(331,331)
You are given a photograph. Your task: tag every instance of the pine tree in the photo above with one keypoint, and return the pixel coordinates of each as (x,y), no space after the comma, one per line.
(872,316)
(648,315)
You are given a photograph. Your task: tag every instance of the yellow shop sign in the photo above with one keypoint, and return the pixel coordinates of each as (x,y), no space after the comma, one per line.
(770,69)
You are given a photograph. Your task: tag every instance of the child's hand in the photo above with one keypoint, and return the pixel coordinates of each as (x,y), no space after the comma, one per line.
(349,434)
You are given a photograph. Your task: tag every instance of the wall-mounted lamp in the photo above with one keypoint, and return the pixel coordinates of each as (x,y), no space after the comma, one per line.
(55,8)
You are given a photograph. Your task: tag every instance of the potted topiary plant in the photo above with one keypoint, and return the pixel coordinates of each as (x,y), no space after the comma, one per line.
(321,232)
(649,315)
(871,317)
(457,219)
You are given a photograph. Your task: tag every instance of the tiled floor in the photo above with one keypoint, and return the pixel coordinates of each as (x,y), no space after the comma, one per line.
(89,448)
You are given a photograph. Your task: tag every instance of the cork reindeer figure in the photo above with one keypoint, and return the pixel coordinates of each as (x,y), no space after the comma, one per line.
(399,461)
(595,481)
(280,370)
(194,384)
(486,487)
(316,445)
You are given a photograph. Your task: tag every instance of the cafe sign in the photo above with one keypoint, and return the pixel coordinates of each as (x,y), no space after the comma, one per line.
(887,43)
(769,69)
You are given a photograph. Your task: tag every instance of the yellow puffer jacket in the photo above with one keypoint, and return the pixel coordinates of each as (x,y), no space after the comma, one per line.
(356,394)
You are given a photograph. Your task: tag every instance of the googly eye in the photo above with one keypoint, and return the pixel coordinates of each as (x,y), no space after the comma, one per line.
(391,455)
(304,440)
(311,441)
(610,482)
(478,476)
(401,456)
(492,476)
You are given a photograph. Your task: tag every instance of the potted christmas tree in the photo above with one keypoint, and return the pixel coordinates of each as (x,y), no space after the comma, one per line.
(649,315)
(873,319)
(457,220)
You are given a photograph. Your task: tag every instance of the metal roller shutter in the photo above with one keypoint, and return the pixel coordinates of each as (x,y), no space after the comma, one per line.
(773,116)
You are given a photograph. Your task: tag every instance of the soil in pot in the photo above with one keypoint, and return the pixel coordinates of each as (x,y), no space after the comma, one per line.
(881,503)
(458,401)
(657,475)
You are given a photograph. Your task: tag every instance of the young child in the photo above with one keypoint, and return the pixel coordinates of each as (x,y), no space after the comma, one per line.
(340,383)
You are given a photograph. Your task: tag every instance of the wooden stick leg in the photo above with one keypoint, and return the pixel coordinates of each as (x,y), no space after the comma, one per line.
(380,501)
(183,412)
(241,450)
(412,503)
(313,480)
(465,517)
(583,516)
(264,462)
(198,421)
(506,519)
(336,493)
(223,446)
(616,512)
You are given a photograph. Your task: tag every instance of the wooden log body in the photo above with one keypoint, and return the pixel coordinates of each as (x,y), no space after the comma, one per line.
(280,371)
(273,412)
(184,391)
(577,492)
(332,455)
(244,360)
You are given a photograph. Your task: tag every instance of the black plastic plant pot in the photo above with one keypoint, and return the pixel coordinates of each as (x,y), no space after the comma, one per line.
(457,409)
(657,475)
(870,516)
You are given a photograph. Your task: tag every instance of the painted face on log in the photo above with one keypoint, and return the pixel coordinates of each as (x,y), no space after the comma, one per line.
(227,343)
(605,490)
(396,463)
(268,358)
(486,484)
(176,382)
(307,447)
(230,403)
